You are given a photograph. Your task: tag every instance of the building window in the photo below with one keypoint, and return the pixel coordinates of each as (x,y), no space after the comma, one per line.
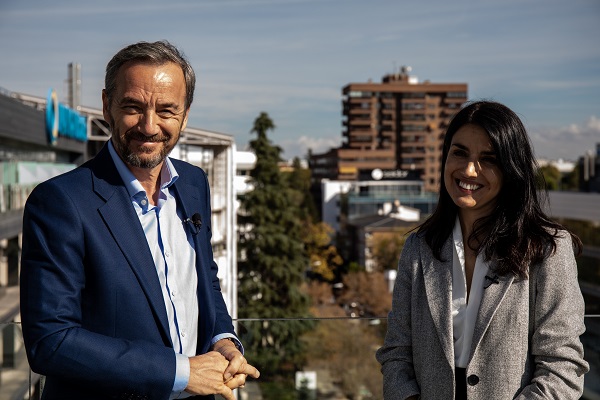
(457,95)
(412,106)
(414,117)
(415,95)
(417,128)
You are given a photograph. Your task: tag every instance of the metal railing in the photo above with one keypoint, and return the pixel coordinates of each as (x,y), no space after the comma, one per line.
(14,196)
(338,358)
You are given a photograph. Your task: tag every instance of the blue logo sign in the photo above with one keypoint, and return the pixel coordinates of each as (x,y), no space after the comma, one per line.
(63,121)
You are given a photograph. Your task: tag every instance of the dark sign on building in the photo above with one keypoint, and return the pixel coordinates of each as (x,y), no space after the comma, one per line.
(378,174)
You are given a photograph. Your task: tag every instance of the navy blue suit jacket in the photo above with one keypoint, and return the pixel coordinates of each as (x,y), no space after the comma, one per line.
(94,319)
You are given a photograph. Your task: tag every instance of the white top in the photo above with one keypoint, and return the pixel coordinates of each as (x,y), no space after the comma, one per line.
(464,314)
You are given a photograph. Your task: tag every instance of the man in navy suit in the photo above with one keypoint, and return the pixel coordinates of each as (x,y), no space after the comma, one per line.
(119,291)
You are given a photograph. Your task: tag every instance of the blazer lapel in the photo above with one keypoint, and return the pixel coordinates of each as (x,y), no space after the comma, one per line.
(188,199)
(438,288)
(123,223)
(491,299)
(187,196)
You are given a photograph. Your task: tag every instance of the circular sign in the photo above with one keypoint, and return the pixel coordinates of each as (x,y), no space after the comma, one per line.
(377,174)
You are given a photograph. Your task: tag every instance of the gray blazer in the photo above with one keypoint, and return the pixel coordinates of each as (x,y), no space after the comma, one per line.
(526,341)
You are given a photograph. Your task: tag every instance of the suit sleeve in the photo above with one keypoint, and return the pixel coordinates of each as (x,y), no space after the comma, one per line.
(53,277)
(557,325)
(396,357)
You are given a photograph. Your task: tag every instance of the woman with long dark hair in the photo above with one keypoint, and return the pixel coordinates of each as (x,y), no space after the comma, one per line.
(486,303)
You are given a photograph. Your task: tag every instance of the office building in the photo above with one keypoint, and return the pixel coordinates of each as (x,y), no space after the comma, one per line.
(398,124)
(589,171)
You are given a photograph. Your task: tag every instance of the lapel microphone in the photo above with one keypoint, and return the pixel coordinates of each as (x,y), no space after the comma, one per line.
(195,221)
(492,279)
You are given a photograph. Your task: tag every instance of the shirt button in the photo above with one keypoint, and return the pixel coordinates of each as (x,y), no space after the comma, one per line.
(143,202)
(173,293)
(183,334)
(167,254)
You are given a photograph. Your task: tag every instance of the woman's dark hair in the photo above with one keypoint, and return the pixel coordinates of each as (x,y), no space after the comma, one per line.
(517,233)
(155,53)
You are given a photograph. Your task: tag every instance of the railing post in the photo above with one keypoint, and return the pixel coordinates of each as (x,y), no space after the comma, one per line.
(8,346)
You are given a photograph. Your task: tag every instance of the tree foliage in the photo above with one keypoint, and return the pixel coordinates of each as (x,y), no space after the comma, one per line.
(346,348)
(571,180)
(299,179)
(343,350)
(324,257)
(367,293)
(272,262)
(387,248)
(551,177)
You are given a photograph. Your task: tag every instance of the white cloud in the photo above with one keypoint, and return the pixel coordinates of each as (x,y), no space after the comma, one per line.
(593,125)
(291,58)
(569,142)
(299,147)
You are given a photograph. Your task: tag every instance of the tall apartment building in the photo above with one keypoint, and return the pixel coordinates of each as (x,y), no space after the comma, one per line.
(398,124)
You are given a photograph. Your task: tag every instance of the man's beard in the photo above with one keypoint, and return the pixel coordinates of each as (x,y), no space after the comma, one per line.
(135,159)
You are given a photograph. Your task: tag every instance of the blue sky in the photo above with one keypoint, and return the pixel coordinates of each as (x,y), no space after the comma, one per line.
(291,58)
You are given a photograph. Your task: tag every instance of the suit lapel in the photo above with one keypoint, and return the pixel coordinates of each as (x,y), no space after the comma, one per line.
(490,301)
(438,288)
(123,223)
(187,197)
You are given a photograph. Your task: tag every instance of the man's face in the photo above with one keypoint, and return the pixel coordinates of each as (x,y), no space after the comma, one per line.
(147,112)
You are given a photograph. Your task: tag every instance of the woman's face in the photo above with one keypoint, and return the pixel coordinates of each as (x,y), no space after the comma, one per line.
(472,175)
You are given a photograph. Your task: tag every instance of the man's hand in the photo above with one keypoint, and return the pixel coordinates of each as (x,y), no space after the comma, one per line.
(206,375)
(238,368)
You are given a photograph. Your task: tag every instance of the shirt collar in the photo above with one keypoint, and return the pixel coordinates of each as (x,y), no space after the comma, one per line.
(168,174)
(457,238)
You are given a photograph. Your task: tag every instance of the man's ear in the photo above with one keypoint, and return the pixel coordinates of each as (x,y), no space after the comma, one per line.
(106,108)
(185,119)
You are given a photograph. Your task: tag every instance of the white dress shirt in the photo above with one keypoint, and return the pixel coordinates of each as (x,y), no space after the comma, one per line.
(172,248)
(464,314)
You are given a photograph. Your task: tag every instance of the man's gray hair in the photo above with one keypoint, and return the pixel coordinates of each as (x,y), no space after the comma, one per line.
(156,53)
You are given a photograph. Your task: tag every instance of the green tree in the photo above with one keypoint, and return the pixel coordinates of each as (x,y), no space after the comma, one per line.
(571,180)
(551,176)
(324,259)
(299,179)
(272,263)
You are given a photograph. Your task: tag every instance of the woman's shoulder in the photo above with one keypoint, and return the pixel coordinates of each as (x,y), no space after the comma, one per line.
(415,239)
(564,242)
(417,243)
(560,256)
(561,240)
